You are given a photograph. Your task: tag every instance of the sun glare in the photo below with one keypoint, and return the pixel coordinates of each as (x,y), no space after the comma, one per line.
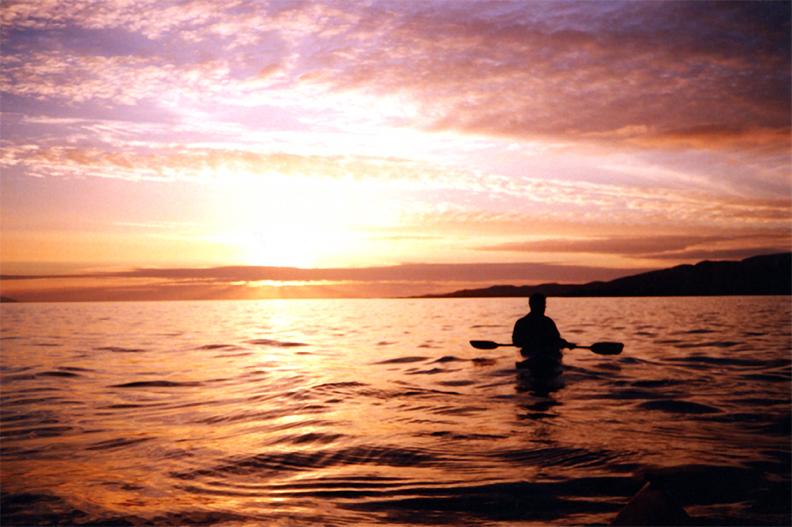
(297,221)
(292,244)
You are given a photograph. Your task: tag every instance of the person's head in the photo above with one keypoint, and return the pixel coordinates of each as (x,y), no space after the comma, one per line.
(537,302)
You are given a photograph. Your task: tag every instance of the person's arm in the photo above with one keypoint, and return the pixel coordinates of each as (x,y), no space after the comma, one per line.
(517,334)
(562,343)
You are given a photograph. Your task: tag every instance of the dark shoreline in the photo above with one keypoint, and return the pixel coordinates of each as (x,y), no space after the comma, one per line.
(765,275)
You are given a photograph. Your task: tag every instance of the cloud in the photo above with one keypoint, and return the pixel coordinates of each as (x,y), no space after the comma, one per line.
(579,71)
(436,195)
(111,80)
(718,254)
(618,245)
(671,247)
(202,164)
(282,282)
(658,74)
(481,272)
(481,123)
(159,19)
(717,137)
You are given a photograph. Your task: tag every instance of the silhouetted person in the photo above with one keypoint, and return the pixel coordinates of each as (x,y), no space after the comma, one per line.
(537,335)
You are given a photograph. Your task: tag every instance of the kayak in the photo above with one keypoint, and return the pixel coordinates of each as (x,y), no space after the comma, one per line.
(540,373)
(652,506)
(539,368)
(545,363)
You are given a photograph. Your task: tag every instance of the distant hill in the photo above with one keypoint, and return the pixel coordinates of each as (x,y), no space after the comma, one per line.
(5,299)
(758,275)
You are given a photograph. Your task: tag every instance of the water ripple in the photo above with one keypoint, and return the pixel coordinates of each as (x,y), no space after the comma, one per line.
(388,416)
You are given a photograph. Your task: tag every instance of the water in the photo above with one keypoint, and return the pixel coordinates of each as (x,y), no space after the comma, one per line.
(365,412)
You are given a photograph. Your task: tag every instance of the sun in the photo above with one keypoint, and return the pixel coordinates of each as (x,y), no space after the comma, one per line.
(296,221)
(286,243)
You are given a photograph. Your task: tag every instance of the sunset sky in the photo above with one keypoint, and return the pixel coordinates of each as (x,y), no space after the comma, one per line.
(386,148)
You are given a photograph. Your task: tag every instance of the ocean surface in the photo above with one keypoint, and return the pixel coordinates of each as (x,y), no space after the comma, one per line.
(372,412)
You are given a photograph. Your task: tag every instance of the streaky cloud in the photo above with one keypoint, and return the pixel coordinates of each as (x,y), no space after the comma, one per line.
(406,272)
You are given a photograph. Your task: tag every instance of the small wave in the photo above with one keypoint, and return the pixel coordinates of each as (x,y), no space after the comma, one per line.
(709,344)
(718,360)
(781,426)
(30,401)
(339,387)
(311,438)
(57,374)
(46,509)
(448,358)
(402,360)
(625,395)
(432,371)
(118,349)
(656,383)
(633,360)
(35,432)
(463,382)
(249,416)
(760,401)
(112,444)
(766,377)
(459,410)
(156,384)
(560,457)
(299,461)
(679,407)
(275,343)
(11,369)
(6,417)
(483,361)
(499,502)
(18,377)
(446,434)
(209,347)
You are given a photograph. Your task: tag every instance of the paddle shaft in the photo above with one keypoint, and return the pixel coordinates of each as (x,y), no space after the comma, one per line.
(600,348)
(499,345)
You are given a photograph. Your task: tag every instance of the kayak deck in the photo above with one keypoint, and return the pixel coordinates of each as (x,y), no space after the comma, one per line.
(543,363)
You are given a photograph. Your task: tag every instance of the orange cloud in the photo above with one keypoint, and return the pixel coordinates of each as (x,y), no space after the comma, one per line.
(679,247)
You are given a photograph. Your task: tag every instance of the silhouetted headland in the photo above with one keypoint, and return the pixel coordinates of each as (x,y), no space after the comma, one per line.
(7,299)
(758,275)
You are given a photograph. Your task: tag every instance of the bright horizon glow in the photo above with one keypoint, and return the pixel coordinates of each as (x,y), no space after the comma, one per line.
(337,135)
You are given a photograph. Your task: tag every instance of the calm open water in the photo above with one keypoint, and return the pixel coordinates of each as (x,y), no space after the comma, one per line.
(356,412)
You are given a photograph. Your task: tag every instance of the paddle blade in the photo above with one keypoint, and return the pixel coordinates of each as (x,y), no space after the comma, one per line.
(607,348)
(484,344)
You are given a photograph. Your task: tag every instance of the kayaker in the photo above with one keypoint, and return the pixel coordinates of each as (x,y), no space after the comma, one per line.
(536,334)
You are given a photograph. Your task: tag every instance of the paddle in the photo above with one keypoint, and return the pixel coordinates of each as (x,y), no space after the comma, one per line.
(600,348)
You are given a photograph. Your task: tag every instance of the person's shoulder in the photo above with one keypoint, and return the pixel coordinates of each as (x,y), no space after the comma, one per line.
(525,319)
